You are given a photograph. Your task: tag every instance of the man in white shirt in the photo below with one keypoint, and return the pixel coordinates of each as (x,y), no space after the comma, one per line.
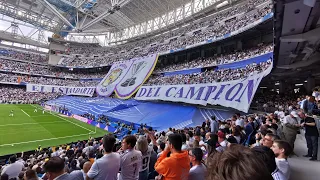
(198,170)
(282,150)
(239,121)
(222,142)
(56,152)
(108,166)
(13,170)
(89,148)
(130,159)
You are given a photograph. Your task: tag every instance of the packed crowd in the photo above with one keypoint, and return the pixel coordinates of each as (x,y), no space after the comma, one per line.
(259,145)
(274,102)
(26,56)
(17,66)
(209,76)
(191,34)
(223,59)
(18,78)
(14,94)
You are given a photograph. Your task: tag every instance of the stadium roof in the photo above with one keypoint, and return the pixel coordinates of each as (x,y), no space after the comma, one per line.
(65,16)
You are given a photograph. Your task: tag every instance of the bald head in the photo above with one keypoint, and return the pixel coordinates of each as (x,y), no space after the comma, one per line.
(86,166)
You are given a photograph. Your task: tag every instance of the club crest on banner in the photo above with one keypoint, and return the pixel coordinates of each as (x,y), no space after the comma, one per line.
(136,75)
(114,76)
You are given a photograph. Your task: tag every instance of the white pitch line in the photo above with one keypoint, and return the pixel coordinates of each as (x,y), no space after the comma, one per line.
(22,124)
(69,121)
(73,123)
(42,140)
(25,112)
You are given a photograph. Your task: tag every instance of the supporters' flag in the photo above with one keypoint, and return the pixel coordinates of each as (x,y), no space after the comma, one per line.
(237,94)
(117,71)
(138,73)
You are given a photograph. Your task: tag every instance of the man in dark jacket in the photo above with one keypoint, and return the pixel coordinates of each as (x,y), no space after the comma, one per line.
(311,135)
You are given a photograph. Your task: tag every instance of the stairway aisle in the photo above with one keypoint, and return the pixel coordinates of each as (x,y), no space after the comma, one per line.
(301,167)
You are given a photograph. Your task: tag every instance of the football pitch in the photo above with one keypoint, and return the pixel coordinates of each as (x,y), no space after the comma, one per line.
(27,129)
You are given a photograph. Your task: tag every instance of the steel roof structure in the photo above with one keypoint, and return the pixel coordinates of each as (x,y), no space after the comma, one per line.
(102,16)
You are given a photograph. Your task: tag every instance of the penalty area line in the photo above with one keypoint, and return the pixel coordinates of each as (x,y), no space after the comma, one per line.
(42,140)
(25,113)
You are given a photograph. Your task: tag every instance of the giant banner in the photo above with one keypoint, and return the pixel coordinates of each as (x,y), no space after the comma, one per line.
(137,74)
(116,73)
(79,91)
(237,94)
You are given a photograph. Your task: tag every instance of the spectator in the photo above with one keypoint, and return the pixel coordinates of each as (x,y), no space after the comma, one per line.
(131,160)
(198,169)
(237,162)
(214,125)
(282,150)
(268,157)
(290,128)
(55,170)
(142,146)
(13,169)
(177,165)
(309,105)
(268,140)
(311,135)
(222,142)
(30,175)
(239,120)
(108,166)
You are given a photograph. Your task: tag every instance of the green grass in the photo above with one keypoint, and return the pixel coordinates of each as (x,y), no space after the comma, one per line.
(28,129)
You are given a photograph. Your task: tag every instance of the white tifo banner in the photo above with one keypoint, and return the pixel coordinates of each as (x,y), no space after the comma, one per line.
(237,94)
(116,73)
(79,91)
(139,71)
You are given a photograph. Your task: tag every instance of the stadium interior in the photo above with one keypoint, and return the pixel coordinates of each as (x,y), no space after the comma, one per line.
(88,82)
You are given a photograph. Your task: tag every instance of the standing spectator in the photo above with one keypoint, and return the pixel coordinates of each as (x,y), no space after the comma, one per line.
(198,170)
(311,135)
(142,146)
(290,128)
(106,167)
(14,168)
(222,142)
(214,125)
(268,140)
(88,149)
(282,150)
(131,159)
(177,166)
(309,105)
(316,94)
(239,121)
(268,157)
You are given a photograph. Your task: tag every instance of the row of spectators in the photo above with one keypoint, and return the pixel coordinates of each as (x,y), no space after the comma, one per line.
(17,94)
(23,55)
(209,76)
(215,150)
(218,60)
(205,30)
(18,78)
(10,65)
